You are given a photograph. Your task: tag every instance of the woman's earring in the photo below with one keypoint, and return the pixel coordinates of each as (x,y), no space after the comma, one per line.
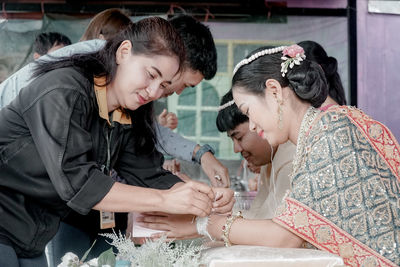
(280,115)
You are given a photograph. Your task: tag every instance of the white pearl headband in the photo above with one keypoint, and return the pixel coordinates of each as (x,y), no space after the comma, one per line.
(245,61)
(227,104)
(253,57)
(292,55)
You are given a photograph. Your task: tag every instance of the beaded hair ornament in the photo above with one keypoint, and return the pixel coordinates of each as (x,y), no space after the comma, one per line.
(227,104)
(292,55)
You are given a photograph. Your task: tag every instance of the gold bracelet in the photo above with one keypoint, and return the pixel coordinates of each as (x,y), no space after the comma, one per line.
(227,227)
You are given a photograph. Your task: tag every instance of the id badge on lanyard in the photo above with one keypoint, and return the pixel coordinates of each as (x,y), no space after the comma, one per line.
(107,218)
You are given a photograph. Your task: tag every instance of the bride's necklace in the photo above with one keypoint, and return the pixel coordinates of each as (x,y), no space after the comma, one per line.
(308,119)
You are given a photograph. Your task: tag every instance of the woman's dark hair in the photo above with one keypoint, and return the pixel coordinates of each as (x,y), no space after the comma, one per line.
(315,52)
(143,123)
(230,117)
(307,80)
(149,36)
(107,23)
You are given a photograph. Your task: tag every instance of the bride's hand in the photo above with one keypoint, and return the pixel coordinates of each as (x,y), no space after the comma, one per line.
(175,226)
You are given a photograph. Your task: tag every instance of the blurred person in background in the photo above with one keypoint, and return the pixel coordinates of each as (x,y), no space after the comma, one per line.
(48,42)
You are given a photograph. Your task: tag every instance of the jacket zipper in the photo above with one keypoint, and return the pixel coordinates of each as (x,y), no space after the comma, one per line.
(109,134)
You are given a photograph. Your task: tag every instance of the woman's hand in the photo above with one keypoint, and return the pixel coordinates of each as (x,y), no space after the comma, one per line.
(188,198)
(224,200)
(175,226)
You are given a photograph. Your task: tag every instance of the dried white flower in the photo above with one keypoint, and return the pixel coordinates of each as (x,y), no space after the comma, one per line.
(69,260)
(156,253)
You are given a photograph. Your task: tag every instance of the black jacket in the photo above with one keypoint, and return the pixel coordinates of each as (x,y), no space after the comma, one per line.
(53,150)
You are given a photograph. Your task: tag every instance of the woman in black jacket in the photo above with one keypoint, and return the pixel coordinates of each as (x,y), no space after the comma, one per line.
(82,117)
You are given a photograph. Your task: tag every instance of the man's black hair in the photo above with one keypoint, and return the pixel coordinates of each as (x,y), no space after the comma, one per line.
(230,117)
(46,40)
(201,53)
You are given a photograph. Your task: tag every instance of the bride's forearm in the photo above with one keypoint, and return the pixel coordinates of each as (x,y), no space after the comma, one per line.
(254,232)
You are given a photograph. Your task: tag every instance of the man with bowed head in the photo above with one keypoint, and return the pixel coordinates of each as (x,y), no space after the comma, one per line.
(273,165)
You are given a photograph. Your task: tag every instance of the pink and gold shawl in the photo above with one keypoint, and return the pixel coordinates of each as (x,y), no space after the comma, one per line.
(345,195)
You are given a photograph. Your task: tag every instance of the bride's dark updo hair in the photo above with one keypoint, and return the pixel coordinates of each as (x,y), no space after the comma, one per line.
(315,52)
(307,80)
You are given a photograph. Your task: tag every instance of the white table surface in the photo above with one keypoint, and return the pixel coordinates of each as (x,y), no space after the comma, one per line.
(256,256)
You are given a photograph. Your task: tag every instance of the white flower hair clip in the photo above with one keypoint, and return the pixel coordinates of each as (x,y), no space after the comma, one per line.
(292,55)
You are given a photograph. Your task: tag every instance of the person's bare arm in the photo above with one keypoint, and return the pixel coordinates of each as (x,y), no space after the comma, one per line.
(255,232)
(183,198)
(242,232)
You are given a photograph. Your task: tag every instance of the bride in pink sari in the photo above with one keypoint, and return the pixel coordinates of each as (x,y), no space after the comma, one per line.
(345,183)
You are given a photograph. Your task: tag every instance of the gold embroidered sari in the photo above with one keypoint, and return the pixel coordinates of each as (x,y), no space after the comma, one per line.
(345,195)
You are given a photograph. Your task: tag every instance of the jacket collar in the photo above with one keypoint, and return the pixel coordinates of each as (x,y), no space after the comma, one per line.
(117,115)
